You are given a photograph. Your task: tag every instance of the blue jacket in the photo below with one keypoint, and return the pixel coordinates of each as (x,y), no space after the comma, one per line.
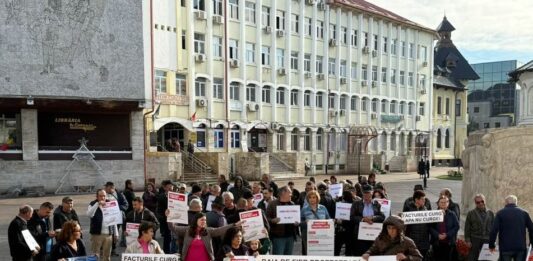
(452,227)
(307,214)
(509,224)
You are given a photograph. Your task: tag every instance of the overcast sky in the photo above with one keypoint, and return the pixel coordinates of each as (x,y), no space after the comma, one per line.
(485,30)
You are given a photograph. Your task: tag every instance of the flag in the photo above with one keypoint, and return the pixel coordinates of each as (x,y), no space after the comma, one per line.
(193,117)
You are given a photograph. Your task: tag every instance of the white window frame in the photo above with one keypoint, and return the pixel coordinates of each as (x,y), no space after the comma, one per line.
(393,46)
(374,73)
(199,43)
(280,96)
(265,16)
(161,81)
(199,87)
(250,93)
(249,12)
(280,20)
(354,37)
(308,26)
(353,103)
(294,97)
(234,9)
(218,88)
(383,74)
(218,7)
(295,23)
(331,66)
(364,72)
(384,45)
(320,29)
(250,53)
(344,35)
(265,55)
(319,64)
(342,70)
(233,49)
(217,47)
(265,94)
(319,100)
(294,60)
(410,79)
(411,51)
(307,98)
(332,31)
(307,62)
(402,77)
(181,84)
(234,91)
(354,70)
(393,76)
(280,57)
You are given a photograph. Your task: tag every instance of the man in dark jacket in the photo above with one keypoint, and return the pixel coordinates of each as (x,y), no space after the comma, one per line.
(40,227)
(326,199)
(409,201)
(453,206)
(283,236)
(19,249)
(113,194)
(101,236)
(162,205)
(419,233)
(368,211)
(269,183)
(141,214)
(478,224)
(510,226)
(223,183)
(128,194)
(65,213)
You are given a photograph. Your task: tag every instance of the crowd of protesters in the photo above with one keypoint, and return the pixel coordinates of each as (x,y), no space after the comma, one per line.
(217,234)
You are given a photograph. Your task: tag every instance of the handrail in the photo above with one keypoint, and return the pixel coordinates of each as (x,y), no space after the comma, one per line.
(282,162)
(196,164)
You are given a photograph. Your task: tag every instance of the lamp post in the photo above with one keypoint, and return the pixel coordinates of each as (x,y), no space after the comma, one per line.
(421,140)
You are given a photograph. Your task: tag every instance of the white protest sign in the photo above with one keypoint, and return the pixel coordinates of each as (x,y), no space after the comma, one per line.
(257,198)
(241,258)
(133,232)
(335,190)
(308,258)
(320,237)
(253,225)
(485,253)
(111,214)
(288,214)
(210,200)
(158,257)
(83,258)
(421,217)
(177,205)
(382,258)
(30,241)
(342,210)
(369,231)
(385,206)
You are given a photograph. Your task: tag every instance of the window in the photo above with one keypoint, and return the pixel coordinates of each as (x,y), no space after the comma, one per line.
(332,31)
(486,125)
(307,140)
(410,108)
(234,9)
(234,91)
(374,73)
(393,76)
(233,49)
(294,60)
(249,12)
(376,46)
(476,109)
(295,21)
(331,101)
(199,43)
(280,20)
(392,107)
(439,105)
(199,87)
(364,71)
(281,139)
(410,79)
(354,37)
(383,107)
(393,46)
(265,16)
(422,109)
(250,92)
(183,40)
(265,55)
(344,35)
(294,140)
(402,77)
(353,103)
(412,50)
(307,98)
(161,81)
(200,137)
(294,97)
(198,5)
(383,74)
(265,94)
(497,125)
(354,70)
(181,86)
(366,39)
(342,70)
(320,29)
(422,81)
(439,139)
(217,47)
(331,66)
(384,45)
(364,104)
(447,139)
(423,53)
(319,135)
(447,107)
(319,98)
(458,107)
(218,88)
(308,26)
(280,57)
(280,96)
(319,64)
(235,136)
(402,108)
(307,62)
(375,105)
(403,48)
(219,138)
(342,102)
(217,7)
(250,53)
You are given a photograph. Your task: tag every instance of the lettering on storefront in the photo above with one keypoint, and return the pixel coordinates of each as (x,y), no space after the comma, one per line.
(168,99)
(390,118)
(75,124)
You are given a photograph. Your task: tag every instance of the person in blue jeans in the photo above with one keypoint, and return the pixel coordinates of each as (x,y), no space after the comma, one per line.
(510,225)
(281,235)
(312,211)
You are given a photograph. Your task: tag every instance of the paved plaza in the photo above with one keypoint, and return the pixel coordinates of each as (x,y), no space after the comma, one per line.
(399,186)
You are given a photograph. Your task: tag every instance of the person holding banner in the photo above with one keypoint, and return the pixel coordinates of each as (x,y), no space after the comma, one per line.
(419,233)
(313,211)
(444,234)
(40,227)
(232,245)
(162,205)
(392,241)
(101,236)
(141,214)
(283,235)
(145,244)
(69,243)
(17,238)
(343,229)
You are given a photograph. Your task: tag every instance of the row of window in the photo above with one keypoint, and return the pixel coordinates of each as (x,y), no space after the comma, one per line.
(446,139)
(447,106)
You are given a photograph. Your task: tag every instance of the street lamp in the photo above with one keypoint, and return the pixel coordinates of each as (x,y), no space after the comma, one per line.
(421,140)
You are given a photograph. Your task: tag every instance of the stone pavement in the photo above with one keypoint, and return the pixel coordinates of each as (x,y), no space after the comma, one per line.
(399,186)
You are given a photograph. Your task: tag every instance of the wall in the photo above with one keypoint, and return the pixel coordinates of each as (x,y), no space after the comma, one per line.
(291,159)
(352,164)
(163,165)
(251,166)
(218,161)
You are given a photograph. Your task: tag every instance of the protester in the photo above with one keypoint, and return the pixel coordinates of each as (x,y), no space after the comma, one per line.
(312,211)
(309,186)
(150,197)
(232,245)
(18,248)
(40,226)
(269,183)
(215,219)
(365,210)
(140,214)
(478,224)
(295,197)
(129,194)
(510,224)
(282,235)
(223,183)
(162,205)
(332,180)
(452,206)
(372,179)
(113,194)
(419,233)
(326,199)
(267,199)
(190,148)
(410,200)
(145,244)
(377,194)
(238,189)
(101,236)
(230,210)
(307,166)
(421,168)
(391,241)
(444,234)
(64,213)
(69,242)
(258,248)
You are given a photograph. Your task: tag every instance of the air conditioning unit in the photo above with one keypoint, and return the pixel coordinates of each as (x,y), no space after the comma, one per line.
(282,71)
(201,102)
(364,83)
(342,112)
(280,33)
(308,75)
(252,106)
(200,15)
(321,6)
(217,19)
(268,29)
(234,63)
(418,118)
(423,91)
(374,53)
(310,2)
(332,42)
(332,113)
(366,50)
(374,84)
(402,117)
(199,58)
(343,80)
(373,116)
(320,76)
(425,64)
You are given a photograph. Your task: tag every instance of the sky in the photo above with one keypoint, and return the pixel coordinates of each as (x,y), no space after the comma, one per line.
(485,30)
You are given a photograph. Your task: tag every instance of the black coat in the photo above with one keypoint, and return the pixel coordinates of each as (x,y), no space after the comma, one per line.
(129,195)
(17,246)
(61,217)
(63,250)
(39,229)
(145,216)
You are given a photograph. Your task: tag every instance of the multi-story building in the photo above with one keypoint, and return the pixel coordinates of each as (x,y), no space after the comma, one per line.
(452,73)
(289,77)
(492,99)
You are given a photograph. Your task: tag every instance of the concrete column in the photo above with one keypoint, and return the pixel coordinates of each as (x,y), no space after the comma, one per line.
(210,144)
(271,141)
(137,138)
(30,140)
(288,141)
(301,140)
(412,145)
(313,152)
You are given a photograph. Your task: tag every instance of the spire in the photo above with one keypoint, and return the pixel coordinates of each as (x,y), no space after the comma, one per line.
(445,26)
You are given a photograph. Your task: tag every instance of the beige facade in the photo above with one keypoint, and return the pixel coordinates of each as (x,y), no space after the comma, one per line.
(289,76)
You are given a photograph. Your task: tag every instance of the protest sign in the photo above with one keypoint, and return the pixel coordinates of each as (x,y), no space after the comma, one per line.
(149,257)
(342,210)
(421,217)
(322,258)
(485,253)
(385,206)
(210,200)
(253,225)
(257,198)
(133,232)
(177,205)
(320,237)
(240,258)
(83,258)
(30,241)
(111,214)
(335,190)
(288,214)
(369,231)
